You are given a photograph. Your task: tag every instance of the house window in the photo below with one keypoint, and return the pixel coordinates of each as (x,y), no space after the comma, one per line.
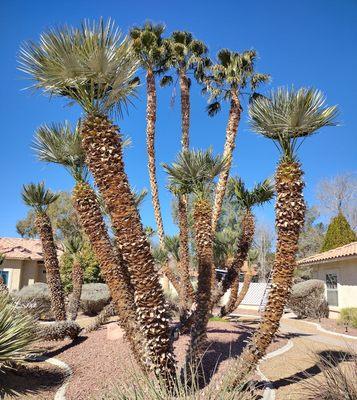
(332,289)
(5,277)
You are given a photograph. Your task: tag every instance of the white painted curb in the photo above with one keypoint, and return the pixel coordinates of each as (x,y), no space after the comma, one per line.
(320,328)
(269,392)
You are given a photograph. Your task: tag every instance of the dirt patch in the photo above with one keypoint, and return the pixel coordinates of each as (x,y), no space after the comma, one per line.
(335,326)
(31,381)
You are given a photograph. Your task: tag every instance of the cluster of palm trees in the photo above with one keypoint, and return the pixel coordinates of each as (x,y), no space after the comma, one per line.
(96,67)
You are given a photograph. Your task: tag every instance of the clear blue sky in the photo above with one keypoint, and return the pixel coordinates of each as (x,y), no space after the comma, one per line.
(306,42)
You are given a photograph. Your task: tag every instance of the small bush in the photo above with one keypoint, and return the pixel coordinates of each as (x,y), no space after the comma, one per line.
(59,330)
(307,299)
(17,333)
(35,300)
(94,297)
(349,316)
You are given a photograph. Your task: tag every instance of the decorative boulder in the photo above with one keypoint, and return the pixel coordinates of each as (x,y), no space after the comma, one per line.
(94,297)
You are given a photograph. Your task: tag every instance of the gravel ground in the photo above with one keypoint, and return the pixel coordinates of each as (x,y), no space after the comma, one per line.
(332,325)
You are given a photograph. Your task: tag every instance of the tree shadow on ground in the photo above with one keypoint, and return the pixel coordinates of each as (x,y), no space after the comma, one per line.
(336,357)
(56,352)
(30,379)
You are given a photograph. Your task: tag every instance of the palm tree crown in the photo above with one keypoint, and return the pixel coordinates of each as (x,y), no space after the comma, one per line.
(74,245)
(288,115)
(37,196)
(149,45)
(245,198)
(172,246)
(194,172)
(233,71)
(93,65)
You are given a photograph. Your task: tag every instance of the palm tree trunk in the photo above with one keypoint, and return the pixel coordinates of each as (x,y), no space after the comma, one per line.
(229,307)
(167,271)
(246,284)
(150,143)
(290,212)
(185,109)
(53,278)
(77,280)
(231,133)
(103,147)
(113,268)
(204,244)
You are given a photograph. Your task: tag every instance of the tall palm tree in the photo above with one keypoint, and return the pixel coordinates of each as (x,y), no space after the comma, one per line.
(246,199)
(194,172)
(73,246)
(95,67)
(227,79)
(151,51)
(39,198)
(288,117)
(186,55)
(58,144)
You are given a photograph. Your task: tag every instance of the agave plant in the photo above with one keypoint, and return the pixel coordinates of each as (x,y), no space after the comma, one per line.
(39,198)
(17,333)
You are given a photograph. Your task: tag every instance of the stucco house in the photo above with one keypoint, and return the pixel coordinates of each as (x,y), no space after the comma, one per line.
(338,269)
(23,264)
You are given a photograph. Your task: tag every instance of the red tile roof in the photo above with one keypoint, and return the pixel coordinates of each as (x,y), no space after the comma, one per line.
(348,250)
(21,249)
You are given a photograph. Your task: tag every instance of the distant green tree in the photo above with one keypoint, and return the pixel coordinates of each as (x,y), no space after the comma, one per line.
(339,233)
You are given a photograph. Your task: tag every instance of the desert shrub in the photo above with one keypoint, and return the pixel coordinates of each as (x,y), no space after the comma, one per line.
(107,312)
(338,378)
(34,299)
(94,297)
(58,330)
(17,333)
(307,299)
(348,316)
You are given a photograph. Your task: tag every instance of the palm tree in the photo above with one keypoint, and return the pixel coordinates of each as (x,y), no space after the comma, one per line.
(151,51)
(235,301)
(96,68)
(194,172)
(58,144)
(39,198)
(186,55)
(73,246)
(287,117)
(246,199)
(233,73)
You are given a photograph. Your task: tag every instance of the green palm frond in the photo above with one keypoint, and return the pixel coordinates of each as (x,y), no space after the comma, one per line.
(92,65)
(261,193)
(58,144)
(214,108)
(160,255)
(17,333)
(194,171)
(37,196)
(139,197)
(172,246)
(74,244)
(166,80)
(288,114)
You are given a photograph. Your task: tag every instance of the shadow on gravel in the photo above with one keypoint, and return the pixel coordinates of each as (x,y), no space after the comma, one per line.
(75,342)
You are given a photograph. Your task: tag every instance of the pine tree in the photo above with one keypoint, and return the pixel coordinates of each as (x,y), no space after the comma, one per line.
(339,233)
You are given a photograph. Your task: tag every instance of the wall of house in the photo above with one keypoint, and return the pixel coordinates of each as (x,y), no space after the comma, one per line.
(346,271)
(23,273)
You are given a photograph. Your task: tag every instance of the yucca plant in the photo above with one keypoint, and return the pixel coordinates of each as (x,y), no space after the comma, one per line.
(17,333)
(194,172)
(95,66)
(39,198)
(225,81)
(59,144)
(287,117)
(246,199)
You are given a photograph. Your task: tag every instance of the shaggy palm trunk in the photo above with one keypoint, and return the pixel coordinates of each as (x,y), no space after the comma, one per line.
(185,109)
(231,280)
(77,280)
(290,212)
(103,146)
(243,246)
(204,245)
(53,278)
(150,143)
(167,271)
(231,133)
(246,284)
(113,268)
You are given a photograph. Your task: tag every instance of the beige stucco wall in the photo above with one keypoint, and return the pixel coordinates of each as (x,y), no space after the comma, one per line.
(23,273)
(346,271)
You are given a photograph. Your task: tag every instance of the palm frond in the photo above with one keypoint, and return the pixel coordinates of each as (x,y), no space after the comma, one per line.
(289,114)
(214,108)
(166,80)
(74,244)
(37,196)
(93,65)
(139,197)
(261,193)
(172,246)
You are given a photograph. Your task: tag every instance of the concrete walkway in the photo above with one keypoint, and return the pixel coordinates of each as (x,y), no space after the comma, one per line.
(286,372)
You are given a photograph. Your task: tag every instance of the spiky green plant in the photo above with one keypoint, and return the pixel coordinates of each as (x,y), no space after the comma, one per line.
(17,333)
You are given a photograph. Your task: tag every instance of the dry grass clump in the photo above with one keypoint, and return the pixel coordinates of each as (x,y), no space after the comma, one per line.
(338,378)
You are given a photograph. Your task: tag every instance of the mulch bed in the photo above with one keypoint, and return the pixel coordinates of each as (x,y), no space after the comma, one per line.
(333,325)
